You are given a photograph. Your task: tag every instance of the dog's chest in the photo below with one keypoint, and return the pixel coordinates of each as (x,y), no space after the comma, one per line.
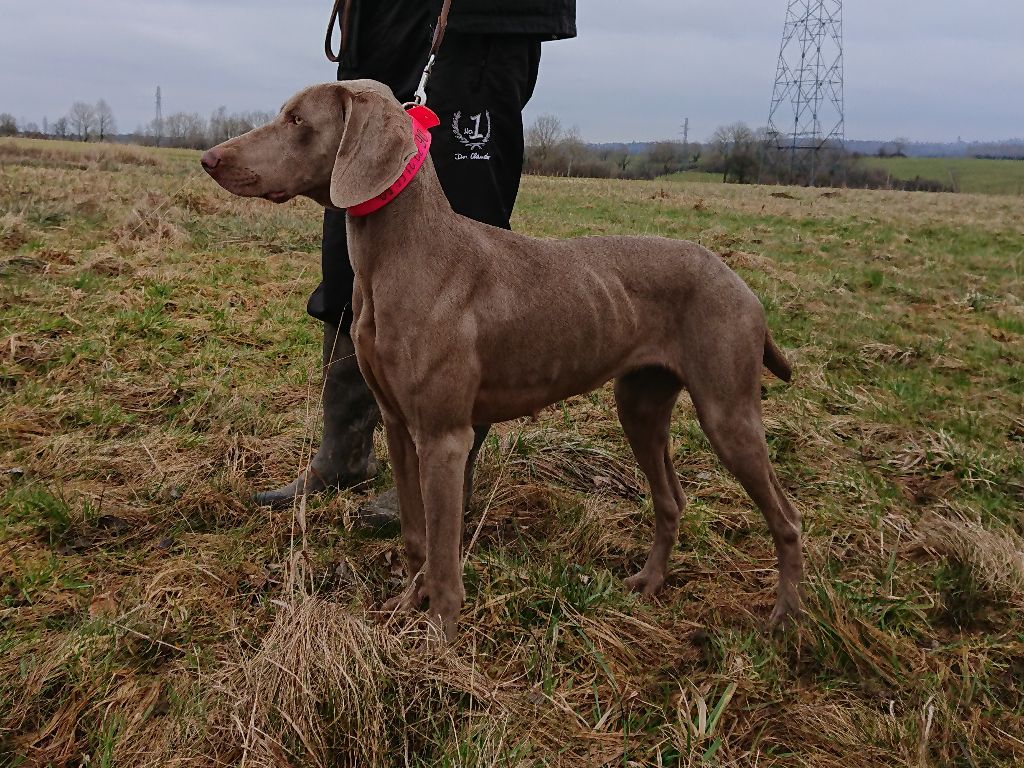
(364,339)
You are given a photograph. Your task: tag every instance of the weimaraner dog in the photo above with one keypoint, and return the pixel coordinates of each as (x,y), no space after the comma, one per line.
(457,323)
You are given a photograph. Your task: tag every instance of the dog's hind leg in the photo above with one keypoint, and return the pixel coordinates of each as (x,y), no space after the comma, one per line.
(645,400)
(479,435)
(731,418)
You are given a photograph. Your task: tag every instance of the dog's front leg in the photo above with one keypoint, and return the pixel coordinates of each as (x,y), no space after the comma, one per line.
(442,460)
(405,466)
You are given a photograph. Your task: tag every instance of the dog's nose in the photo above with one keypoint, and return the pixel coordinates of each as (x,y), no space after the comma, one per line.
(210,159)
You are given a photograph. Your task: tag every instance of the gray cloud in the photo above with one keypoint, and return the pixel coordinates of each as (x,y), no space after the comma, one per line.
(917,68)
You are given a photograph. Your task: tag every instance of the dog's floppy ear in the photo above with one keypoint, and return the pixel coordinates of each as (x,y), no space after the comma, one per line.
(376,145)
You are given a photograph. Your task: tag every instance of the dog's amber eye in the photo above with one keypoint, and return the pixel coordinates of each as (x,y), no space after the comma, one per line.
(297,120)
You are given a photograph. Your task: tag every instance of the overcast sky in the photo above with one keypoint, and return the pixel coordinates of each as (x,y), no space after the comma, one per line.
(925,69)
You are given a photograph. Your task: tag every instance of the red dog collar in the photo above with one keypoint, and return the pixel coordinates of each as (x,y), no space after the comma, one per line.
(423,119)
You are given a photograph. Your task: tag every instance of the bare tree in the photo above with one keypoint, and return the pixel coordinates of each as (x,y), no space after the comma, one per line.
(219,126)
(258,118)
(82,118)
(60,128)
(105,123)
(543,136)
(224,126)
(8,125)
(734,152)
(667,156)
(184,129)
(573,148)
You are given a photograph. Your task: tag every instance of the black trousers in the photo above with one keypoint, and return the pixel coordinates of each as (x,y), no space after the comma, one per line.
(478,89)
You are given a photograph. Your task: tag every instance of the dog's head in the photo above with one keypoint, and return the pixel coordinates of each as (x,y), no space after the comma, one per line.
(337,143)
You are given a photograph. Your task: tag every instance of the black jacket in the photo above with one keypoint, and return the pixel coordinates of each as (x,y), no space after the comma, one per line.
(548,19)
(389,39)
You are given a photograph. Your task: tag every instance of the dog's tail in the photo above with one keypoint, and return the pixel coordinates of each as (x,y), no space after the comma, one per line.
(774,360)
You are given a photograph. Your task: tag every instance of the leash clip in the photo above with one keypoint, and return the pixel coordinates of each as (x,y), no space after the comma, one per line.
(420,97)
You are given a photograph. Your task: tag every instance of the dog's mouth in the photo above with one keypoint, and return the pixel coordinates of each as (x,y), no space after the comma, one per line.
(277,197)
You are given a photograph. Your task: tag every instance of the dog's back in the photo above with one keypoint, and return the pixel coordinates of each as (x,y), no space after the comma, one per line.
(556,318)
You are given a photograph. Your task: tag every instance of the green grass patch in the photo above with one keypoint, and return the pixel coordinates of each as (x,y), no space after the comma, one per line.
(962,174)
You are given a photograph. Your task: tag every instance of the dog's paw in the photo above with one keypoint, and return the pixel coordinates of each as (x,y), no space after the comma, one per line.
(442,627)
(787,609)
(409,599)
(646,583)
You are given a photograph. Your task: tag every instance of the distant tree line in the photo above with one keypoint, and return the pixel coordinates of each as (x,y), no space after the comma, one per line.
(1010,154)
(96,122)
(84,122)
(553,150)
(734,151)
(1011,149)
(191,130)
(737,152)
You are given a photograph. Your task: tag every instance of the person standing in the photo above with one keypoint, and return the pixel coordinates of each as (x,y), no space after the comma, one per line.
(483,77)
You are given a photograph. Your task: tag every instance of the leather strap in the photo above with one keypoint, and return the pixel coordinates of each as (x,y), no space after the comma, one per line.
(442,23)
(345,15)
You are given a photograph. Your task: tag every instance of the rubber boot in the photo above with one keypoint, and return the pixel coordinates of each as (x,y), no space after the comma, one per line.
(382,511)
(345,457)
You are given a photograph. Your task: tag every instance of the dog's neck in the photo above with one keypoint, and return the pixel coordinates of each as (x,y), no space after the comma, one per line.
(419,214)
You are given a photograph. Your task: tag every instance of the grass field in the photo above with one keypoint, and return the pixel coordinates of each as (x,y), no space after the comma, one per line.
(962,174)
(694,176)
(156,366)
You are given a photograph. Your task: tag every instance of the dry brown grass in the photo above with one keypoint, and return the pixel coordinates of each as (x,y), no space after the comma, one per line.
(155,368)
(75,155)
(994,559)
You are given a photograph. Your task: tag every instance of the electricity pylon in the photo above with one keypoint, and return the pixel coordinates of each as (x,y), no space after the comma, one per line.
(807,111)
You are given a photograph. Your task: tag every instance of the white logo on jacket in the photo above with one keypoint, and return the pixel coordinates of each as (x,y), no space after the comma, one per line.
(473,132)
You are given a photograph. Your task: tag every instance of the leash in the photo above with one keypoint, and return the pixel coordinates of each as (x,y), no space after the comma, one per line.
(340,15)
(344,19)
(420,96)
